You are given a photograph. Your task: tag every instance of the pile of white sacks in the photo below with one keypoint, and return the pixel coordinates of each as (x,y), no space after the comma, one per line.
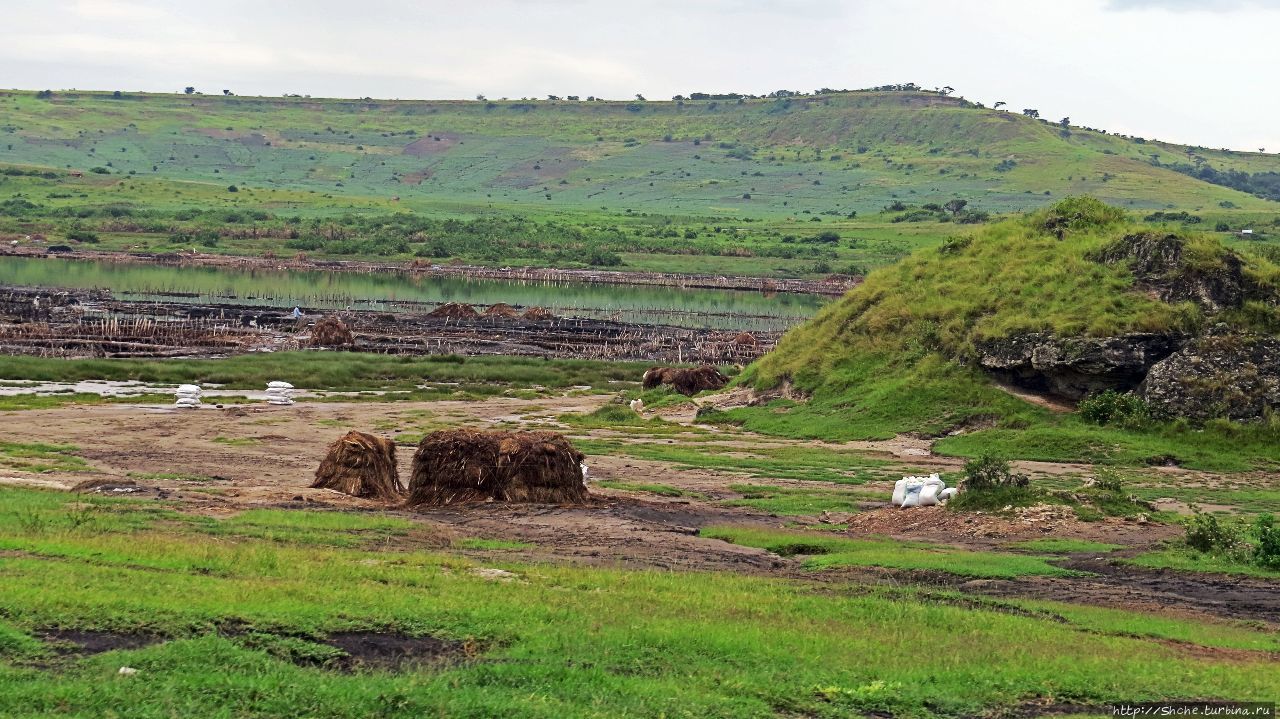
(279,393)
(921,491)
(188,396)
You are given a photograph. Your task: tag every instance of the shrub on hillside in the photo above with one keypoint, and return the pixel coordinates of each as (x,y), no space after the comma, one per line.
(1113,408)
(1078,214)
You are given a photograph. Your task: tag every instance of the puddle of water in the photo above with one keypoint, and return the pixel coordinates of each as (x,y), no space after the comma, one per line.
(125,389)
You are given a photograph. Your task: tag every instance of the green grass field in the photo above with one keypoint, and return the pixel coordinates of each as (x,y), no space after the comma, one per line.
(239,626)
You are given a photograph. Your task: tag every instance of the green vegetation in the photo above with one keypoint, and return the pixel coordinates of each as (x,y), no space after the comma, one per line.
(897,354)
(788,501)
(19,402)
(1190,560)
(823,551)
(990,486)
(334,371)
(766,462)
(1064,546)
(336,529)
(795,186)
(236,441)
(563,641)
(39,457)
(1217,544)
(663,490)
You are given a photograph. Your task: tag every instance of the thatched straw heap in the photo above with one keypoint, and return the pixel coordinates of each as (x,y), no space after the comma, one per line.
(747,339)
(686,381)
(466,465)
(538,313)
(502,309)
(332,332)
(455,310)
(361,465)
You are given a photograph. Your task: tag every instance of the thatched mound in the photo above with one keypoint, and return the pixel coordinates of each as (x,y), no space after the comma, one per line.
(502,309)
(686,381)
(466,465)
(455,311)
(361,465)
(746,338)
(332,332)
(538,313)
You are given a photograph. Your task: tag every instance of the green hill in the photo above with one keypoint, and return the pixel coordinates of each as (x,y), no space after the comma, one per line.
(920,346)
(724,179)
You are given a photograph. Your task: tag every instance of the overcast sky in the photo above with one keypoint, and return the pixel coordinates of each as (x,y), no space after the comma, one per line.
(1181,70)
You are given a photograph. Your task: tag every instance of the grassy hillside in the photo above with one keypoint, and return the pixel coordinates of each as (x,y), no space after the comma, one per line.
(824,153)
(896,354)
(650,182)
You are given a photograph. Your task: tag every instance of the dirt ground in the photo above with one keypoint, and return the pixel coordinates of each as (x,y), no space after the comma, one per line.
(223,461)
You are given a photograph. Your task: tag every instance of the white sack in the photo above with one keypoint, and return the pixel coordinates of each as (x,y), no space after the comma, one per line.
(929,494)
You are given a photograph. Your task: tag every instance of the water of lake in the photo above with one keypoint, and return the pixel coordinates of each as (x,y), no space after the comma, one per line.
(390,291)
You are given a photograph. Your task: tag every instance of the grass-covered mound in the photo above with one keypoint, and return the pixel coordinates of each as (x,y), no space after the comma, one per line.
(898,353)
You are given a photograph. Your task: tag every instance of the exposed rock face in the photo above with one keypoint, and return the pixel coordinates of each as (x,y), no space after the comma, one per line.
(1160,264)
(1074,367)
(1219,375)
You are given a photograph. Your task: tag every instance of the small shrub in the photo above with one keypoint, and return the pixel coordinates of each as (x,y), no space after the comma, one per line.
(1208,534)
(989,472)
(1113,408)
(990,486)
(1266,553)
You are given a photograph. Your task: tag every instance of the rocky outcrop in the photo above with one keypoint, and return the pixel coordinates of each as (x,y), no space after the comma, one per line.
(1223,374)
(1161,264)
(1075,367)
(1219,374)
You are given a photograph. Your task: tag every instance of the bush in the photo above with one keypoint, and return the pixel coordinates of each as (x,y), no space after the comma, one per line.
(989,472)
(1111,407)
(1266,553)
(603,258)
(1208,534)
(83,236)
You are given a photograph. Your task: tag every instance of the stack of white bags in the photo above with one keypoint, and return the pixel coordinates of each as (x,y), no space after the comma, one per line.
(279,393)
(921,491)
(188,396)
